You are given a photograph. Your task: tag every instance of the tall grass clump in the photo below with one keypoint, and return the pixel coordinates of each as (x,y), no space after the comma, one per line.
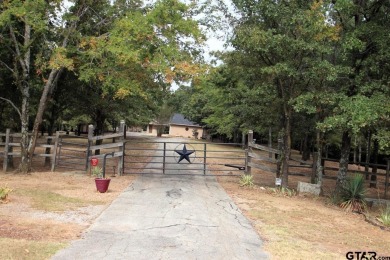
(246,180)
(353,194)
(4,191)
(384,217)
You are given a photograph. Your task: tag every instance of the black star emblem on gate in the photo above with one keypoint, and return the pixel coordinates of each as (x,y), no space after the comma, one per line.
(184,154)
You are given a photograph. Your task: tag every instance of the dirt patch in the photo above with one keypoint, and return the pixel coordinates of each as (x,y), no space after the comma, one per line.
(302,227)
(51,208)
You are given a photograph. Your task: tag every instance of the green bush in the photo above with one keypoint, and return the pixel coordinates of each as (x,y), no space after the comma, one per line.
(353,194)
(246,180)
(4,191)
(97,172)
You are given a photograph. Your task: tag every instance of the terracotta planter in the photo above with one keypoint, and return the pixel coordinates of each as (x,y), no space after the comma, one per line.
(102,184)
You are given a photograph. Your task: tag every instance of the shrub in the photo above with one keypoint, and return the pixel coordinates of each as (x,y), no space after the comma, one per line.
(4,191)
(97,172)
(352,194)
(246,180)
(385,216)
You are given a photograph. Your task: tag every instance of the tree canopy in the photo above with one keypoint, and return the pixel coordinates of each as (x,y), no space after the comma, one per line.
(314,72)
(118,56)
(306,69)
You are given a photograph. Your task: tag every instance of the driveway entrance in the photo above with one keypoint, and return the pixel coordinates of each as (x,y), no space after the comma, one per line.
(169,217)
(178,156)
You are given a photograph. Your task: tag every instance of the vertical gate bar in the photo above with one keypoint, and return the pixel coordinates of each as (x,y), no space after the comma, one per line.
(104,162)
(122,129)
(165,146)
(204,158)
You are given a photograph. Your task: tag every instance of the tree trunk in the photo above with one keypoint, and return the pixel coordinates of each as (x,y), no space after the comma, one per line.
(99,128)
(286,152)
(375,166)
(318,162)
(25,158)
(160,130)
(270,141)
(24,61)
(355,150)
(278,157)
(368,155)
(23,58)
(79,130)
(359,153)
(49,84)
(306,148)
(344,160)
(41,109)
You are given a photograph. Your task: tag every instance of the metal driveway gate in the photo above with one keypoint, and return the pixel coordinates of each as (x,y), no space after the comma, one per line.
(184,158)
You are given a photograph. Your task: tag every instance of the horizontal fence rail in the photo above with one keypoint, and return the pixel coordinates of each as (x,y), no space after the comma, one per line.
(12,148)
(257,159)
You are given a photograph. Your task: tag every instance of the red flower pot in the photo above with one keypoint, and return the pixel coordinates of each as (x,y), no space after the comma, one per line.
(102,184)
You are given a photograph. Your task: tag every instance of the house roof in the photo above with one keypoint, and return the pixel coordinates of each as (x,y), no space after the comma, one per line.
(179,119)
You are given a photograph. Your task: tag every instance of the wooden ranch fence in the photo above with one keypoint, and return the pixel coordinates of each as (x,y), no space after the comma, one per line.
(11,148)
(54,147)
(117,144)
(302,168)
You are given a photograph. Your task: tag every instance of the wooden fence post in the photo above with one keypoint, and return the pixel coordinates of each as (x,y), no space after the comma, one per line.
(314,168)
(54,152)
(122,129)
(90,142)
(6,150)
(250,137)
(248,167)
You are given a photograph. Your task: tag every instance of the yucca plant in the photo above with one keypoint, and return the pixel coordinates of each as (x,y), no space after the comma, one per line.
(246,180)
(385,216)
(353,194)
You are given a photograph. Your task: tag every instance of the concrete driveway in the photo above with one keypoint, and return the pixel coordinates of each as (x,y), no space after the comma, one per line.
(169,217)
